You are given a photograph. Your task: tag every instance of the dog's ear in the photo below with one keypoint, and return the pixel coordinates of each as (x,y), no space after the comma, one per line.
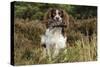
(47,16)
(65,18)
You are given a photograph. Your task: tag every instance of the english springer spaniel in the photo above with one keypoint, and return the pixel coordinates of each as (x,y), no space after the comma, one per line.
(56,22)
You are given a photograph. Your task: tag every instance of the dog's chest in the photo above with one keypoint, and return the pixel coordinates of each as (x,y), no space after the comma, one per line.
(54,37)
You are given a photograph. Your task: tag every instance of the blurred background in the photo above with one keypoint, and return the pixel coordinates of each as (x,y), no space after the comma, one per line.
(33,11)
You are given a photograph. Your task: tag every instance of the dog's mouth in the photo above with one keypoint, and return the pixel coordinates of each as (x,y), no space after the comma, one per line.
(57,20)
(55,23)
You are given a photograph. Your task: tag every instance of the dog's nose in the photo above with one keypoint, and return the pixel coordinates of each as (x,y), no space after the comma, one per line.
(57,18)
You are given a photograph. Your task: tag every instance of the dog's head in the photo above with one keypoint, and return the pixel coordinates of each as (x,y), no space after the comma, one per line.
(57,15)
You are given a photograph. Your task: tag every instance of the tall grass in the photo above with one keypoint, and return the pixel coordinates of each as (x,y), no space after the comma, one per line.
(80,47)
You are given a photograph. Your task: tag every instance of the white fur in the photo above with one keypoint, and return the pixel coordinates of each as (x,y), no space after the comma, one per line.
(54,40)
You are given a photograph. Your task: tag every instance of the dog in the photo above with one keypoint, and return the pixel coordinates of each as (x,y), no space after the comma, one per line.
(54,39)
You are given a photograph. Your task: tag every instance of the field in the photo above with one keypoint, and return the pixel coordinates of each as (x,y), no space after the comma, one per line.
(81,45)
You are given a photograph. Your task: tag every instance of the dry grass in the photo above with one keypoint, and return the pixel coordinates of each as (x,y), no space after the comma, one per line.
(79,47)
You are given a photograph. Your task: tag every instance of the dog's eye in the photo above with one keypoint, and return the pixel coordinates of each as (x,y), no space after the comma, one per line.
(60,14)
(54,14)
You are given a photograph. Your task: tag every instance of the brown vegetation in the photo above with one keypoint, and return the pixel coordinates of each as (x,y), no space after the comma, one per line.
(81,43)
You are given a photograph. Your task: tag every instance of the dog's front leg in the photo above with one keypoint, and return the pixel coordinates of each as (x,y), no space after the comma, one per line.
(56,51)
(48,49)
(44,53)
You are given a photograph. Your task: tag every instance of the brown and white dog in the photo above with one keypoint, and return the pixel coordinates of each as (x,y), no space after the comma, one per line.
(56,22)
